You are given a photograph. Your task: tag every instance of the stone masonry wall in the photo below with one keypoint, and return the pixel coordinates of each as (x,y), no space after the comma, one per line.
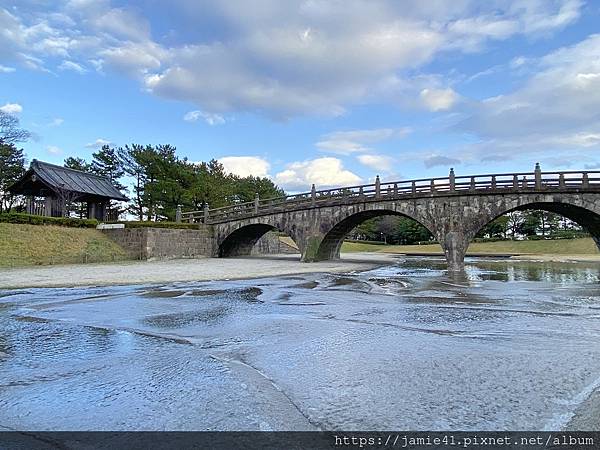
(171,243)
(132,240)
(164,243)
(270,244)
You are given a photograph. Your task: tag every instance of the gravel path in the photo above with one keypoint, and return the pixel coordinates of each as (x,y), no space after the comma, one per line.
(142,272)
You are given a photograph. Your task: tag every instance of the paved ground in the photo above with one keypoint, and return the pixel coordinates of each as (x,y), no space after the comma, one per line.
(140,272)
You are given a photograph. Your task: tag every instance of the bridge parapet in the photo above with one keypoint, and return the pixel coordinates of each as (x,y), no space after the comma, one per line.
(523,182)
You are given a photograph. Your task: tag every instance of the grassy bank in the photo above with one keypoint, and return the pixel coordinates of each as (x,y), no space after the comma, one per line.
(584,246)
(30,245)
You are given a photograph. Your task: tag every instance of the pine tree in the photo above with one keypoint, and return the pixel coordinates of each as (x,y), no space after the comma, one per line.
(12,167)
(76,163)
(106,162)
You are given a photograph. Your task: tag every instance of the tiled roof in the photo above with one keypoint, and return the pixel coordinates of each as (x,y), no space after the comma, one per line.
(59,177)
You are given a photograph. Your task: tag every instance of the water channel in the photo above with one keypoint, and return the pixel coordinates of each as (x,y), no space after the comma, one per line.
(512,345)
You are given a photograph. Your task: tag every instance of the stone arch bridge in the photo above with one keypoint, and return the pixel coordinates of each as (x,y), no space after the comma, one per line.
(453,209)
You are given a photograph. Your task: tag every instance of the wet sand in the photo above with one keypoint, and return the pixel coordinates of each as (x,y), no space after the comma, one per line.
(144,272)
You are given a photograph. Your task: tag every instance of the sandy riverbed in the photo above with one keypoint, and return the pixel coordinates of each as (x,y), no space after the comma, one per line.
(141,272)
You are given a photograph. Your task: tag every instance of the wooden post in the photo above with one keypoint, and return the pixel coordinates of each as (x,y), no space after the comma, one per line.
(48,207)
(524,182)
(396,189)
(493,181)
(452,180)
(515,182)
(377,187)
(538,176)
(256,202)
(561,180)
(413,187)
(206,213)
(101,212)
(178,214)
(472,185)
(30,204)
(432,186)
(313,194)
(585,181)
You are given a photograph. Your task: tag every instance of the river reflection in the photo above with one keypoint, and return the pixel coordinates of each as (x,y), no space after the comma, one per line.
(509,345)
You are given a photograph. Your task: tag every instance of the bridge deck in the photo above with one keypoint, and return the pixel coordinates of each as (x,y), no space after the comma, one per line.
(525,182)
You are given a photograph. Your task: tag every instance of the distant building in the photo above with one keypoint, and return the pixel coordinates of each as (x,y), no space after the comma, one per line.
(50,189)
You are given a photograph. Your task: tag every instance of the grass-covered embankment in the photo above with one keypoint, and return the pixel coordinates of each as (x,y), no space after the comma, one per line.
(582,246)
(30,245)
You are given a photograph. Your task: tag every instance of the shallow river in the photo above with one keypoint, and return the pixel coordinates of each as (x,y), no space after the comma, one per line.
(513,345)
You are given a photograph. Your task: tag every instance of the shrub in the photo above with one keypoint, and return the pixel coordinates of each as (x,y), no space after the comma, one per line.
(536,237)
(356,241)
(492,239)
(569,234)
(31,219)
(148,224)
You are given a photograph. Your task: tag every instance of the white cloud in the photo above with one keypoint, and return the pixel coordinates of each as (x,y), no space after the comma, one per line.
(323,172)
(377,162)
(6,69)
(354,141)
(72,66)
(209,118)
(279,58)
(135,59)
(56,122)
(438,99)
(244,166)
(98,143)
(535,17)
(279,66)
(556,108)
(124,24)
(54,150)
(519,61)
(11,108)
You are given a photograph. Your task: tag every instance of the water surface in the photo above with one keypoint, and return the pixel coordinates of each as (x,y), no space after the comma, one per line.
(513,345)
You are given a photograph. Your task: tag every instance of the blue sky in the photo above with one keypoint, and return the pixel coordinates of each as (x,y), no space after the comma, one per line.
(329,92)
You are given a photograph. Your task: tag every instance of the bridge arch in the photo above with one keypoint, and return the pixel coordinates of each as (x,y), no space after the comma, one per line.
(330,245)
(584,214)
(239,238)
(241,241)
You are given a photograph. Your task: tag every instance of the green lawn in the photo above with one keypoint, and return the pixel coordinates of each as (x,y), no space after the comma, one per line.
(29,245)
(584,246)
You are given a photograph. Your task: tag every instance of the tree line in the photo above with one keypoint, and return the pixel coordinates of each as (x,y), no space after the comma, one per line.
(160,180)
(515,225)
(531,224)
(154,177)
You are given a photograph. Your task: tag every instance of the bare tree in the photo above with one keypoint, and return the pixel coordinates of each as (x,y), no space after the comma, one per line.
(10,131)
(66,198)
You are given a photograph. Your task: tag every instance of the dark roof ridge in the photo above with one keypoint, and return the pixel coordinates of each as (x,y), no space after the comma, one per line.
(44,163)
(59,177)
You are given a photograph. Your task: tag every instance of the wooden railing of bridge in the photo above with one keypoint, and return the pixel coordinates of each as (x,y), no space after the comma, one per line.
(524,182)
